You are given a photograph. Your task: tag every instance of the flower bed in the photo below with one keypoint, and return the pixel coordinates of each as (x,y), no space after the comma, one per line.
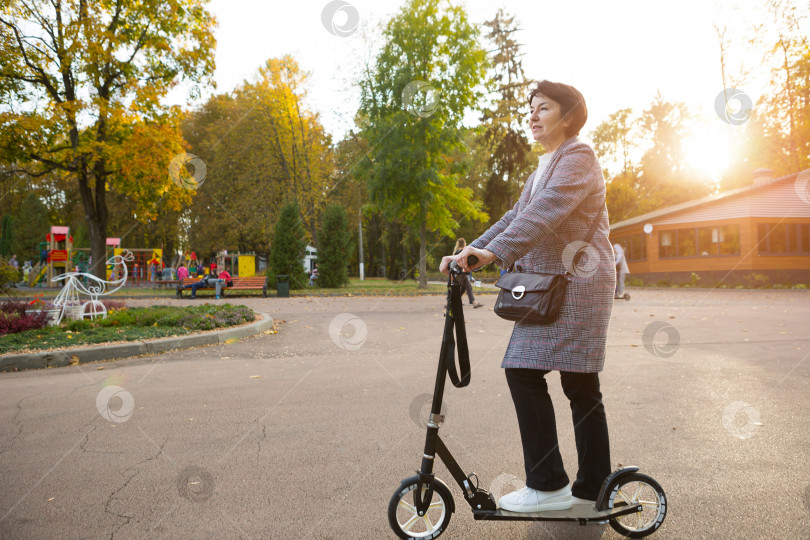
(16,317)
(128,324)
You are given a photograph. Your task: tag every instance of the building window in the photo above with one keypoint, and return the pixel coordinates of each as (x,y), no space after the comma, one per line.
(635,247)
(699,242)
(722,240)
(784,238)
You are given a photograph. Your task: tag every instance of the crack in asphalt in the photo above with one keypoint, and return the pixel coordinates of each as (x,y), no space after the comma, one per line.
(87,440)
(80,387)
(135,471)
(17,424)
(259,441)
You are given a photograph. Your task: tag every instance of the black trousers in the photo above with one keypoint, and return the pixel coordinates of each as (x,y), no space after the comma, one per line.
(538,430)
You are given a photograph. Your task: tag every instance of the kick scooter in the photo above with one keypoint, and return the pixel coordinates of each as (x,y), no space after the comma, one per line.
(633,503)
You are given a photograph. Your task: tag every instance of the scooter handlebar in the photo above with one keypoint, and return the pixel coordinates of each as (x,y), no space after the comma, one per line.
(472,260)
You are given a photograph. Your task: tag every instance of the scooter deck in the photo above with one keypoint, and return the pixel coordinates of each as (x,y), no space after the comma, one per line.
(582,513)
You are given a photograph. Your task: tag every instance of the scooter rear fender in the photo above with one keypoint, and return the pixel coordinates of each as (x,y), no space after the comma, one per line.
(602,500)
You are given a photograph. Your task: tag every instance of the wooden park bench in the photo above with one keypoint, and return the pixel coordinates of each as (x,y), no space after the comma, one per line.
(254,283)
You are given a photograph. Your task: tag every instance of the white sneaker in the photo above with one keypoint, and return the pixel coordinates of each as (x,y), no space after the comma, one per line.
(533,500)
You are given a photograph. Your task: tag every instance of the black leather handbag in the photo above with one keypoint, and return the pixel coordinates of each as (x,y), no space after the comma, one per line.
(536,298)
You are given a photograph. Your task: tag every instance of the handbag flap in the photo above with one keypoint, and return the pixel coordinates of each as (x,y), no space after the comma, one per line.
(530,282)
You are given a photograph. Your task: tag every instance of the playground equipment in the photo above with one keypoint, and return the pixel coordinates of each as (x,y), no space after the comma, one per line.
(68,301)
(60,246)
(64,258)
(237,264)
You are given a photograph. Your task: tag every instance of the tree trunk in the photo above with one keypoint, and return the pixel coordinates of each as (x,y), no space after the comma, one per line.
(95,211)
(423,256)
(404,252)
(98,248)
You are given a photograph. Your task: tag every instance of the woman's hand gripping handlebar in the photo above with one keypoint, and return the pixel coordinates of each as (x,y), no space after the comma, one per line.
(468,259)
(455,268)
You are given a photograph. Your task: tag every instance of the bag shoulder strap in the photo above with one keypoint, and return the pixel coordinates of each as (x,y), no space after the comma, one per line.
(455,320)
(595,224)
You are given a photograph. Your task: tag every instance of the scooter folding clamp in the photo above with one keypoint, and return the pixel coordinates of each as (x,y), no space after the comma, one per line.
(435,419)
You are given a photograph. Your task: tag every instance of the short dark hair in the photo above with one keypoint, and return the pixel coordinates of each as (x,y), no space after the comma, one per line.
(572,103)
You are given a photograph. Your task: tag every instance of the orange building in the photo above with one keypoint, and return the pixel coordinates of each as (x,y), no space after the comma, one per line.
(763,229)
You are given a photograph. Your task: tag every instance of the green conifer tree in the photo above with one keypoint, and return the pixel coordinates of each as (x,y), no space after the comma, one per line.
(288,248)
(334,249)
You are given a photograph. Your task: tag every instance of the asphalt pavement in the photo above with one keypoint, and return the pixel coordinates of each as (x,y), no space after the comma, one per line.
(306,433)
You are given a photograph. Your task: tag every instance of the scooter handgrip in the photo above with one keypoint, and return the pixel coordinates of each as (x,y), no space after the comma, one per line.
(472,260)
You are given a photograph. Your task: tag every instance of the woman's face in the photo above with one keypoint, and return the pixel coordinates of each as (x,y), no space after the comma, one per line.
(546,124)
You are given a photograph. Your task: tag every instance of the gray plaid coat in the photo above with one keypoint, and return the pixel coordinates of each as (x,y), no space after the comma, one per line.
(534,234)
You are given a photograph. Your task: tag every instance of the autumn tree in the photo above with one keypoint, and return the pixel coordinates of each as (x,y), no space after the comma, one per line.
(614,140)
(412,104)
(262,146)
(780,123)
(30,227)
(665,177)
(81,85)
(503,134)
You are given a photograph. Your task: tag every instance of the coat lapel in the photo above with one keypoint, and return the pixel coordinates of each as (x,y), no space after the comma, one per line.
(550,168)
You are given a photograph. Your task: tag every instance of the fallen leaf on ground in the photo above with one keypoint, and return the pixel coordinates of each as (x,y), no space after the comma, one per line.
(255,376)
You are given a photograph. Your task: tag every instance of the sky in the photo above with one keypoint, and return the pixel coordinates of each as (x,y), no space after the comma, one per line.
(619,54)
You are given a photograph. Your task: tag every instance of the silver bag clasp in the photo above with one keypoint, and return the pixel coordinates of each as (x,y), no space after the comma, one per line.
(518,292)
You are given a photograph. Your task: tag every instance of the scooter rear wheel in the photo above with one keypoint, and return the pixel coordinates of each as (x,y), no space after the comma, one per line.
(407,523)
(634,489)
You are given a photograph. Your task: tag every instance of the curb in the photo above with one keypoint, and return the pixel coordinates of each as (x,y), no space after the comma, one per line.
(46,359)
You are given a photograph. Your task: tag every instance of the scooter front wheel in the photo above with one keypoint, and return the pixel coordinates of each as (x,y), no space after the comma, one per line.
(637,489)
(406,521)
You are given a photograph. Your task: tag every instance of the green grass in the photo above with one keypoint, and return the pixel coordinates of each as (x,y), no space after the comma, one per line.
(131,324)
(368,287)
(373,287)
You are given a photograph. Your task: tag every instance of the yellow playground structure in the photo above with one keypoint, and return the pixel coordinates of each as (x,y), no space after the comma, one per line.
(237,264)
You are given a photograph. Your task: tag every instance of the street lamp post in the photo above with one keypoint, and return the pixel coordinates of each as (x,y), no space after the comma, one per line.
(360,221)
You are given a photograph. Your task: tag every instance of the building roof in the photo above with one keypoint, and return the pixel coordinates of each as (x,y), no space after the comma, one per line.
(649,216)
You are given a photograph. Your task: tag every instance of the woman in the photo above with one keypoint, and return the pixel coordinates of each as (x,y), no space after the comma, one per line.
(558,204)
(621,270)
(465,278)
